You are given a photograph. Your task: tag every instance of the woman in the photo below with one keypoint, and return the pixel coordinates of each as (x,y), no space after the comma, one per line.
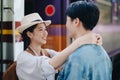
(35,63)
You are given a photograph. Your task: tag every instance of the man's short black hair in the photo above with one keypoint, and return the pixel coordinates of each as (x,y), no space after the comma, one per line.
(81,0)
(87,12)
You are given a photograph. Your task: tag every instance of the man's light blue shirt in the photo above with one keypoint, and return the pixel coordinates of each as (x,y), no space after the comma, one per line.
(89,62)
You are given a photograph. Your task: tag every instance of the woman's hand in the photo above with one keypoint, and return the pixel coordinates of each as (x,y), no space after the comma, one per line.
(90,38)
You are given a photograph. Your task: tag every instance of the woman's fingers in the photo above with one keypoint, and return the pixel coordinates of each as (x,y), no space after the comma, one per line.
(90,38)
(98,39)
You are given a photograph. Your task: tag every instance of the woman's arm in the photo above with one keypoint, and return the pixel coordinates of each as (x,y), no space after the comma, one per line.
(90,38)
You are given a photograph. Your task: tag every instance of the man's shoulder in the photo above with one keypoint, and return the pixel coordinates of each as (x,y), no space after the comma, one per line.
(88,54)
(89,50)
(89,46)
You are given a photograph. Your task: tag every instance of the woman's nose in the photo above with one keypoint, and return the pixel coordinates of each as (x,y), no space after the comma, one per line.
(45,32)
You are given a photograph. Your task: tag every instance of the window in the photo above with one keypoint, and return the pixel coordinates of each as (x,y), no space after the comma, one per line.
(109,11)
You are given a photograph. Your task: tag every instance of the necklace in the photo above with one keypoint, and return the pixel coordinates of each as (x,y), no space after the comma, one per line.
(30,48)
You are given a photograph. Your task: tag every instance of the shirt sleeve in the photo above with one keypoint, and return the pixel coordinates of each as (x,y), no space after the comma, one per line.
(51,52)
(46,68)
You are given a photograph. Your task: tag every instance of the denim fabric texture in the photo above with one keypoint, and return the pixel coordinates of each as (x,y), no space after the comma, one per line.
(88,62)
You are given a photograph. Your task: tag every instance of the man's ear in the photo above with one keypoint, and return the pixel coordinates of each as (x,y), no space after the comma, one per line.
(77,21)
(29,34)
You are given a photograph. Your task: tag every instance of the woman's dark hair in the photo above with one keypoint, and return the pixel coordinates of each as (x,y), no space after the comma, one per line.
(87,12)
(26,39)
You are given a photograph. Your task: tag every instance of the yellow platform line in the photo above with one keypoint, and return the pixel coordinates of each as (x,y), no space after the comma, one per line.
(6,32)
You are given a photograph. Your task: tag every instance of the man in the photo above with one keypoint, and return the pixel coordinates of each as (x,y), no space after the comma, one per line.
(89,62)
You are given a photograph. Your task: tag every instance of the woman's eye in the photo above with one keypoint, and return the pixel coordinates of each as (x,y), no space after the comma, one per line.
(42,29)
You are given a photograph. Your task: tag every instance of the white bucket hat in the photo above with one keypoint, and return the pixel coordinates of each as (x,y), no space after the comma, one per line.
(30,20)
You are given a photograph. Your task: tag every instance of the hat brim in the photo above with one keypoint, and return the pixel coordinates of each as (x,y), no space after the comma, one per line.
(21,28)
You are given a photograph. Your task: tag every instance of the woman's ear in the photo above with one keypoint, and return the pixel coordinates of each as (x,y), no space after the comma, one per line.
(29,34)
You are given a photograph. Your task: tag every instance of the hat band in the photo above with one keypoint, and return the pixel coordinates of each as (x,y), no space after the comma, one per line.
(37,20)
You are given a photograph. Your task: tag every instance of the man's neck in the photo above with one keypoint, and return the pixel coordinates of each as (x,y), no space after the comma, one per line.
(79,34)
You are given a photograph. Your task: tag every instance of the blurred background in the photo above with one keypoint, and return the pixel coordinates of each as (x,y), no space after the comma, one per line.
(12,11)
